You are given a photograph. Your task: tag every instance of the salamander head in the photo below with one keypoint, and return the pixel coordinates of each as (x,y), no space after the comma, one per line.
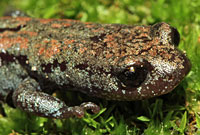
(133,63)
(156,70)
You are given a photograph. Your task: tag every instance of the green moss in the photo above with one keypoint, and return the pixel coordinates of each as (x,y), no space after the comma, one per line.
(168,114)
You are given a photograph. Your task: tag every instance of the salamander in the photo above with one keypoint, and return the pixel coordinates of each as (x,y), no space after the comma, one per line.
(110,61)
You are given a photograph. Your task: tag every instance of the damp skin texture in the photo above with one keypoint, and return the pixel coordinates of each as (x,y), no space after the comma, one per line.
(111,61)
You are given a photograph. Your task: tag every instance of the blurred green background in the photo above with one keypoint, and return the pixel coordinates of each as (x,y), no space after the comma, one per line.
(173,113)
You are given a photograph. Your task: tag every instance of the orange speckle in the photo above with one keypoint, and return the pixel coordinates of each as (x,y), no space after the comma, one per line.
(53,41)
(68,20)
(37,45)
(98,30)
(82,50)
(67,44)
(87,23)
(6,42)
(41,51)
(45,21)
(23,43)
(108,38)
(66,24)
(25,19)
(90,25)
(152,52)
(48,48)
(108,55)
(53,48)
(30,33)
(52,51)
(6,34)
(45,41)
(56,25)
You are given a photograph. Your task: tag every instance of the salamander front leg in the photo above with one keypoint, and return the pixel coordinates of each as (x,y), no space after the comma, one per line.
(28,98)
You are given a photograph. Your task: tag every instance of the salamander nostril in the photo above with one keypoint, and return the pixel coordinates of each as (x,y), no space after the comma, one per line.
(175,36)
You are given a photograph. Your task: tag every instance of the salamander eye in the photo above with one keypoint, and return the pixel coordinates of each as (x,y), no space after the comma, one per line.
(175,36)
(133,75)
(166,33)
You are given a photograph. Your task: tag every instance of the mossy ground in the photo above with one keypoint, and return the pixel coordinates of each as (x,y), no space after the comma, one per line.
(173,113)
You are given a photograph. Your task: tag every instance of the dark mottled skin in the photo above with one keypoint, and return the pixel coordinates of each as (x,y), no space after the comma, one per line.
(111,61)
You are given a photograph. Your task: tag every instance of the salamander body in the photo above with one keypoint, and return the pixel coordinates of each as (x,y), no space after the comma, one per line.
(111,61)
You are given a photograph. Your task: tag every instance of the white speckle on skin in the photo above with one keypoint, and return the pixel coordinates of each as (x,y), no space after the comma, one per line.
(139,90)
(123,85)
(163,91)
(33,68)
(2,50)
(123,91)
(165,67)
(17,48)
(67,75)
